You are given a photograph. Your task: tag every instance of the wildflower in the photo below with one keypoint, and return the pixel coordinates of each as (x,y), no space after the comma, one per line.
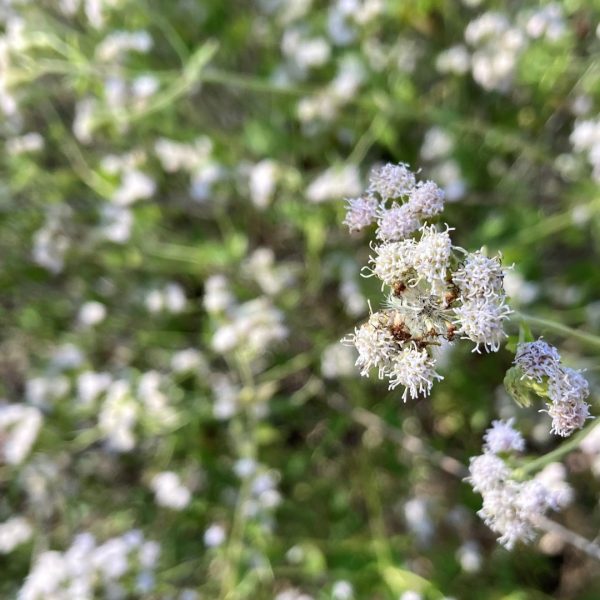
(414,369)
(91,313)
(486,472)
(19,428)
(425,307)
(394,261)
(13,533)
(432,255)
(426,199)
(360,212)
(375,345)
(568,416)
(479,276)
(214,535)
(392,181)
(537,359)
(396,223)
(511,508)
(566,384)
(502,437)
(480,320)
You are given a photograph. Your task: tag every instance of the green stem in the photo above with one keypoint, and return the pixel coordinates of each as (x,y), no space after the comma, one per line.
(557,453)
(559,328)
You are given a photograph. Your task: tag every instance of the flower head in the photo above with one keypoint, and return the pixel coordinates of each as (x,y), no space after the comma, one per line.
(426,199)
(393,261)
(396,223)
(480,320)
(432,255)
(375,345)
(568,416)
(414,369)
(537,359)
(360,212)
(567,385)
(487,471)
(503,437)
(479,276)
(392,181)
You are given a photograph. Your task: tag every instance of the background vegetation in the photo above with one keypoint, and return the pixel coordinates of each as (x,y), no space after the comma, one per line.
(219,139)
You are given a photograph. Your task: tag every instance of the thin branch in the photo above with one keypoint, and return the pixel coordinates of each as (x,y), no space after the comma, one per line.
(568,536)
(559,328)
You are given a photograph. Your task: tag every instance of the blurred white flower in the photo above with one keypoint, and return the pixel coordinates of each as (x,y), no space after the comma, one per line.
(116,223)
(262,182)
(337,360)
(455,59)
(169,490)
(469,556)
(135,185)
(335,182)
(19,428)
(214,535)
(13,533)
(91,313)
(117,43)
(29,142)
(342,590)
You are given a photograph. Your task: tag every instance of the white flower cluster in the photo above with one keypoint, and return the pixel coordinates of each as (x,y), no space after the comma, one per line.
(498,45)
(436,290)
(567,390)
(510,507)
(585,138)
(85,569)
(396,201)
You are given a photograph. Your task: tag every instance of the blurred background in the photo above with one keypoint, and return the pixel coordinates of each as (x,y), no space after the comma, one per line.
(179,420)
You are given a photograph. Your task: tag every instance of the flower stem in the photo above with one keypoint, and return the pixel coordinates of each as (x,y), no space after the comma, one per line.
(559,328)
(557,453)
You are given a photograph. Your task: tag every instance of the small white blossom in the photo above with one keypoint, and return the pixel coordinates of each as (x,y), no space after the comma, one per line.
(426,199)
(512,508)
(479,276)
(392,181)
(486,472)
(375,345)
(480,320)
(91,313)
(455,59)
(396,223)
(503,515)
(432,255)
(360,212)
(567,385)
(19,428)
(568,416)
(537,359)
(342,590)
(503,437)
(413,369)
(335,182)
(394,261)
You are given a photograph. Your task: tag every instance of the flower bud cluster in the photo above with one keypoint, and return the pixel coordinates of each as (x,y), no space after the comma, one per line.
(566,390)
(435,290)
(510,507)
